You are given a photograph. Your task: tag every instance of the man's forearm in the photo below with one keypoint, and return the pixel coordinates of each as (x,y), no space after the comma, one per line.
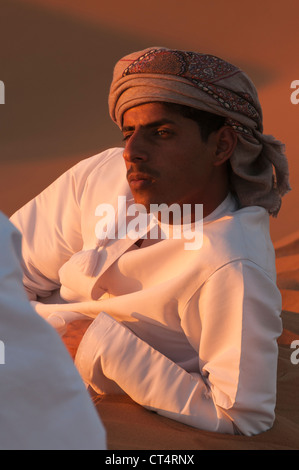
(110,350)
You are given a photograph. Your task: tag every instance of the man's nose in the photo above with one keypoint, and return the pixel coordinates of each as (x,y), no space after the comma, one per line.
(135,148)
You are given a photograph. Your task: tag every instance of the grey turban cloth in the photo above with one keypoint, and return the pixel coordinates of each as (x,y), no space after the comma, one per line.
(259,166)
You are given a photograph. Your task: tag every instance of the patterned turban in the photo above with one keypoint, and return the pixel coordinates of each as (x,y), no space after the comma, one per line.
(259,169)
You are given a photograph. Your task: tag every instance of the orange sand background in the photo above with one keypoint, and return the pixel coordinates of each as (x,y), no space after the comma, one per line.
(56,60)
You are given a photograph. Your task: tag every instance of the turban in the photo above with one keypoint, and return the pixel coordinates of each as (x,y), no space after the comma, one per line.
(259,169)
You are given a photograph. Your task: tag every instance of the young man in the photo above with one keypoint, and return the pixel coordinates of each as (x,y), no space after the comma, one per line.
(189,332)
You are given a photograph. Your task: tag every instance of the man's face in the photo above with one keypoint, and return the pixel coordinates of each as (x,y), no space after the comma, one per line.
(166,159)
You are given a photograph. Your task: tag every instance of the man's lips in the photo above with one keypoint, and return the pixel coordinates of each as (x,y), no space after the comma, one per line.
(139,180)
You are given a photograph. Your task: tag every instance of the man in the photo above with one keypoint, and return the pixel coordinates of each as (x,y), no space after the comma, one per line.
(188,333)
(44,404)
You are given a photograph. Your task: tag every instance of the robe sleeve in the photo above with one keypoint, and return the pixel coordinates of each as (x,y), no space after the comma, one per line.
(50,227)
(51,224)
(235,389)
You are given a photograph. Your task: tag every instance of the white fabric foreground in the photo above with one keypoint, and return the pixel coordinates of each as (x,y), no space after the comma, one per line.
(43,401)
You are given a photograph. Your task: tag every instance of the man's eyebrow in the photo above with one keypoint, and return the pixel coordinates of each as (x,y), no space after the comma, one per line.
(150,125)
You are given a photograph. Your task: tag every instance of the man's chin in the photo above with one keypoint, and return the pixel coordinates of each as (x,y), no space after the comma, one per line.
(151,203)
(142,206)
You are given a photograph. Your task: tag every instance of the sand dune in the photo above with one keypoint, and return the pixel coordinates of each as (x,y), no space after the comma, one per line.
(57,60)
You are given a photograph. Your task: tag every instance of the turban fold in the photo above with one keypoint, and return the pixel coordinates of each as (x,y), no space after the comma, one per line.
(259,167)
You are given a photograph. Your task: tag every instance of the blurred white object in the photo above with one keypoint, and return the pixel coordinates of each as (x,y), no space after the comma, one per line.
(43,401)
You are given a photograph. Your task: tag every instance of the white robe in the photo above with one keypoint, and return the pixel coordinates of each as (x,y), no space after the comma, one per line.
(191,335)
(43,401)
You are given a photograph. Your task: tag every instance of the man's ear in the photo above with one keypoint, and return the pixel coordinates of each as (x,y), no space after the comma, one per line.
(226,141)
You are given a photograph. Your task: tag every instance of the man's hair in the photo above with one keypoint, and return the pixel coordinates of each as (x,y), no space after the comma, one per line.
(207,122)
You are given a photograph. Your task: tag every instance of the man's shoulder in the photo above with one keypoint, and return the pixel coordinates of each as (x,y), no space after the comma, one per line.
(242,234)
(95,173)
(111,156)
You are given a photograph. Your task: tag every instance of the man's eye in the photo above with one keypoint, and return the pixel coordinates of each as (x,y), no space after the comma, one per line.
(162,132)
(126,137)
